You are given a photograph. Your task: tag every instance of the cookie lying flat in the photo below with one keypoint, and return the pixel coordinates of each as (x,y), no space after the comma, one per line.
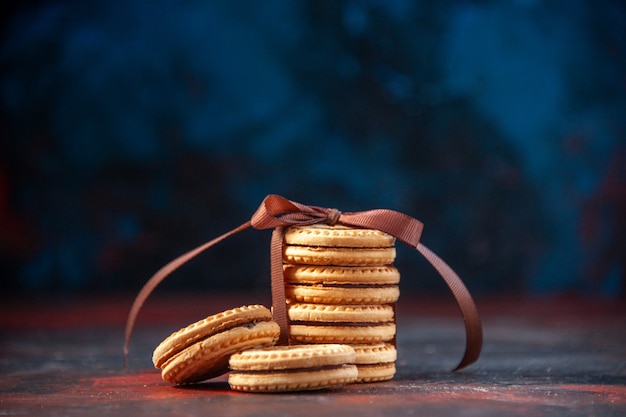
(375,362)
(337,236)
(293,368)
(329,313)
(201,351)
(341,275)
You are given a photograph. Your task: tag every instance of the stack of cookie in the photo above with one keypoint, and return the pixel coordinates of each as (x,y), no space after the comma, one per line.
(341,287)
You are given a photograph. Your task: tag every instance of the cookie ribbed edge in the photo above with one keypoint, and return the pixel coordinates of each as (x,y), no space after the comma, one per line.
(342,295)
(341,275)
(376,372)
(302,333)
(309,255)
(371,353)
(333,313)
(337,236)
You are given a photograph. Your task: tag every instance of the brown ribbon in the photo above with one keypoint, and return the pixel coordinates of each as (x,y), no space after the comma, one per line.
(276,212)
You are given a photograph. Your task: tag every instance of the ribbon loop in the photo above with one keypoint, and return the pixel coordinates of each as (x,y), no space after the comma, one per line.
(276,212)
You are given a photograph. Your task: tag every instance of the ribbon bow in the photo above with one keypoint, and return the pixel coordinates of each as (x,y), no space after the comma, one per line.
(276,212)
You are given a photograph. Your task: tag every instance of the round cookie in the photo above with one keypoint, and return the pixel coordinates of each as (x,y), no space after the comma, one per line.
(318,255)
(201,350)
(292,368)
(342,295)
(352,334)
(341,275)
(328,313)
(337,236)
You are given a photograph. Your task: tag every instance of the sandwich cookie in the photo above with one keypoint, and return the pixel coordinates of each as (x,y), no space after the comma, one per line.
(321,244)
(293,368)
(321,323)
(201,351)
(375,362)
(341,284)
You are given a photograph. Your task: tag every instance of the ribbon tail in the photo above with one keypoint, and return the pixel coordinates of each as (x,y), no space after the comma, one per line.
(473,326)
(279,303)
(160,275)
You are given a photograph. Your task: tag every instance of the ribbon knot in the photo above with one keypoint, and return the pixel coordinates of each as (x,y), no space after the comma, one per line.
(276,212)
(333,216)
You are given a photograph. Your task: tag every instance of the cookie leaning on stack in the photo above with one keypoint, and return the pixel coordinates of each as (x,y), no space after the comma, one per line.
(341,288)
(201,350)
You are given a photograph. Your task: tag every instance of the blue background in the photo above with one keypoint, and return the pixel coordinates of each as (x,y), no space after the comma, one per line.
(133,131)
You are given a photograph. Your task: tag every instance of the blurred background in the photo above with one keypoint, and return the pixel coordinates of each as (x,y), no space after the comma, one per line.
(133,131)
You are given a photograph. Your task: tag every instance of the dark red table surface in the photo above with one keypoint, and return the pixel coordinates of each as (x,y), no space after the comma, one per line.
(559,356)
